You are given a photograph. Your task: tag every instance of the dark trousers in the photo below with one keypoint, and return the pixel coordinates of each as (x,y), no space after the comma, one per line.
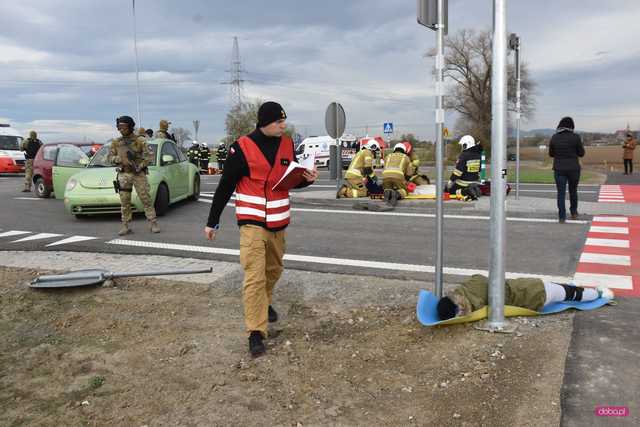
(628,166)
(562,179)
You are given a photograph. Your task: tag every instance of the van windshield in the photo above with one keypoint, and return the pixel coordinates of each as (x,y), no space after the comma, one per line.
(10,142)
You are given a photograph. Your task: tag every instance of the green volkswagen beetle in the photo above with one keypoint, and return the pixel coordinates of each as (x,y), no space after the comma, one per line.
(91,191)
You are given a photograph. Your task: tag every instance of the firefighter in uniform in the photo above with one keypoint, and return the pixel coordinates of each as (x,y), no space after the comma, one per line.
(204,157)
(415,176)
(397,170)
(360,171)
(131,154)
(256,162)
(221,155)
(30,146)
(163,132)
(193,153)
(465,179)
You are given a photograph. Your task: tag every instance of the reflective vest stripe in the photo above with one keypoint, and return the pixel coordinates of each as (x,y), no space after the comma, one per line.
(251,199)
(277,203)
(241,210)
(278,217)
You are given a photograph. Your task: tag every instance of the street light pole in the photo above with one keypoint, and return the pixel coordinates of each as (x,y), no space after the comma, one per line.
(498,162)
(439,149)
(514,44)
(135,51)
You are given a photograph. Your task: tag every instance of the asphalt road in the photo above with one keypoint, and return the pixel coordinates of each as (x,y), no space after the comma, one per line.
(394,244)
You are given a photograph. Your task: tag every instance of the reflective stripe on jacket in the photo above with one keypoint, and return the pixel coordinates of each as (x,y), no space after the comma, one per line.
(397,165)
(255,199)
(363,159)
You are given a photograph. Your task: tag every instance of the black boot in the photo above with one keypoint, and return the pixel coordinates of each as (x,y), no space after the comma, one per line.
(273,315)
(256,346)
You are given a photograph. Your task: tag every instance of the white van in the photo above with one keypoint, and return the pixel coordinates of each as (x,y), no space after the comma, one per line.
(11,158)
(318,146)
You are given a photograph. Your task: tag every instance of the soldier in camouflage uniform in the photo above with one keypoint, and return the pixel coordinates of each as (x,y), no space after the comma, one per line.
(131,154)
(163,132)
(30,146)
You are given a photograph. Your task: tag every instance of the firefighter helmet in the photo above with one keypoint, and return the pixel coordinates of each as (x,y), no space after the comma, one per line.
(400,146)
(467,142)
(407,144)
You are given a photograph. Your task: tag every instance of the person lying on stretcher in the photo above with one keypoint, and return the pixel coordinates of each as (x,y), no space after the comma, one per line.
(529,293)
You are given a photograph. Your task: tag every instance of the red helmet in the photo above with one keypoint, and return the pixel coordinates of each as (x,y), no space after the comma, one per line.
(407,145)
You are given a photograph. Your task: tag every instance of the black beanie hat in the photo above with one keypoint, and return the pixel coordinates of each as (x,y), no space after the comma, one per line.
(270,112)
(446,308)
(566,123)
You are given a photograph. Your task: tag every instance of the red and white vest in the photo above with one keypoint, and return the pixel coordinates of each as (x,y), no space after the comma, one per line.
(255,199)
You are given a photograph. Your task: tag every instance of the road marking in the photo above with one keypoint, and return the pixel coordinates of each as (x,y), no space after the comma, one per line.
(610,201)
(595,258)
(13,233)
(28,198)
(417,215)
(552,191)
(612,230)
(611,243)
(610,219)
(72,239)
(608,280)
(334,261)
(38,236)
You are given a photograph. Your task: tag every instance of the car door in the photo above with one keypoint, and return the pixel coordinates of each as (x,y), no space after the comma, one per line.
(69,160)
(170,165)
(185,176)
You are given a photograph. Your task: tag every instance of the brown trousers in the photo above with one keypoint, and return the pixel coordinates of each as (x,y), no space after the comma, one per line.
(28,173)
(261,253)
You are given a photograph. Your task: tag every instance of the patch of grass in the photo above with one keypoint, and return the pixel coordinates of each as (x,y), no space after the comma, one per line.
(96,381)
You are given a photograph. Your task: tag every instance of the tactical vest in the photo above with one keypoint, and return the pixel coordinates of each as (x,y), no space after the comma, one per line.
(255,198)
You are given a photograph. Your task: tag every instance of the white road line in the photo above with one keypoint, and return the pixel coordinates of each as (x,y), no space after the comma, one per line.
(13,233)
(610,243)
(38,236)
(610,219)
(608,280)
(28,198)
(417,215)
(334,261)
(612,230)
(608,259)
(550,191)
(72,239)
(610,201)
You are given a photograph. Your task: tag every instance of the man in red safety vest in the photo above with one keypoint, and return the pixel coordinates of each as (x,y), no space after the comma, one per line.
(255,163)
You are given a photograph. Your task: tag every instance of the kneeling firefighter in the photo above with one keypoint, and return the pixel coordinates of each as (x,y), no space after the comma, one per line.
(360,172)
(465,179)
(397,170)
(415,176)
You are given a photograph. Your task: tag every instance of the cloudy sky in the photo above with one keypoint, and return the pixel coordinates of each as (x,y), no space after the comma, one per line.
(67,66)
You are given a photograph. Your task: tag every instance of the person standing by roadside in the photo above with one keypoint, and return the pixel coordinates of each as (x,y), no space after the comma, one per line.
(627,154)
(565,147)
(255,163)
(30,146)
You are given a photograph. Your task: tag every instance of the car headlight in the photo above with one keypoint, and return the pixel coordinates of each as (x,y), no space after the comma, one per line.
(71,184)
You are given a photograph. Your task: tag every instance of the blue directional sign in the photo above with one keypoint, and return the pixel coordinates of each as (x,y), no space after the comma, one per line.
(388,128)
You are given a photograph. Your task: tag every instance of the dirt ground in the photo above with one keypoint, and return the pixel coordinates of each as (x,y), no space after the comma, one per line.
(159,352)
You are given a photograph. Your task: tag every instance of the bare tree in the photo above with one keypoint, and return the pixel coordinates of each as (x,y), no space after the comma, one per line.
(468,65)
(241,120)
(182,135)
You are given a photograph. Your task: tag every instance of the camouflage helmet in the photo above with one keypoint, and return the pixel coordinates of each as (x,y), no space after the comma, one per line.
(126,119)
(33,134)
(164,124)
(142,132)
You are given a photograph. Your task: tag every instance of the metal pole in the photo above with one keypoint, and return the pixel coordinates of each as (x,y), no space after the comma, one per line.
(518,111)
(339,157)
(135,50)
(498,162)
(439,148)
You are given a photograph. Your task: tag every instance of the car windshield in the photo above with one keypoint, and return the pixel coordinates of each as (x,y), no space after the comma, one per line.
(10,142)
(100,159)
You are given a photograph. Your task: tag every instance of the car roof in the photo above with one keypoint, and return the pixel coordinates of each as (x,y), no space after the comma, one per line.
(72,143)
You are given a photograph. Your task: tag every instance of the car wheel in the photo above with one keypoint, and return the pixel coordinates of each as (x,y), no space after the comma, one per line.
(196,188)
(41,189)
(162,200)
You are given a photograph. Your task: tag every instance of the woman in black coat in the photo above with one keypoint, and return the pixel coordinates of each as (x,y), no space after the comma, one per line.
(565,147)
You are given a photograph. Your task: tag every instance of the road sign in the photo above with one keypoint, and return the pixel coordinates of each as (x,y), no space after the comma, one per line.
(335,120)
(388,128)
(428,14)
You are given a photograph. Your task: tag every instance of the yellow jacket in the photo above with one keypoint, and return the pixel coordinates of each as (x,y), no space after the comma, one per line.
(398,166)
(357,168)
